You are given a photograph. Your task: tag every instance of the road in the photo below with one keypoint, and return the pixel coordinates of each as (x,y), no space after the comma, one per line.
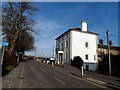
(32,74)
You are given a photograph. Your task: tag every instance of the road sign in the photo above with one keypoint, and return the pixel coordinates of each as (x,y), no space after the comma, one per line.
(4,43)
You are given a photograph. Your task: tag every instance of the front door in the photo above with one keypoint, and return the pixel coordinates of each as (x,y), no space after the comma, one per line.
(61,58)
(87,67)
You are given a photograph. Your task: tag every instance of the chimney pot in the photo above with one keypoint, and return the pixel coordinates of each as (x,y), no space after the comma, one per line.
(84,25)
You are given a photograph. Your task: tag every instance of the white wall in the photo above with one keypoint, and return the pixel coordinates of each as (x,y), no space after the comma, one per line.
(78,46)
(92,66)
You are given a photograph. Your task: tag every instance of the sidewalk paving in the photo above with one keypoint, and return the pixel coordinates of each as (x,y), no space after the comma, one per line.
(12,77)
(107,81)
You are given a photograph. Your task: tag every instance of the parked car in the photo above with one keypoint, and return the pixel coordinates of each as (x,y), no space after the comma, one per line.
(52,59)
(48,61)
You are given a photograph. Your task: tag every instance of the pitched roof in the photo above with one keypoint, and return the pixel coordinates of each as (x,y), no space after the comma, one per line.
(76,29)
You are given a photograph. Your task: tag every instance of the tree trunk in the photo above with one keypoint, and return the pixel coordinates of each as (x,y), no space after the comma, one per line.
(12,43)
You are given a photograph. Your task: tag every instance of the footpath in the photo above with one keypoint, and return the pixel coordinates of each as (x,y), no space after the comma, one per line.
(106,81)
(12,79)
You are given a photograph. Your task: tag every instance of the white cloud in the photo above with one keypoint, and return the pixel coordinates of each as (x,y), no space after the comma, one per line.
(47,27)
(45,40)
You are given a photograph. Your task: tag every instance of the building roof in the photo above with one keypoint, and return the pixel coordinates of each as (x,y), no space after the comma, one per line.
(76,29)
(106,47)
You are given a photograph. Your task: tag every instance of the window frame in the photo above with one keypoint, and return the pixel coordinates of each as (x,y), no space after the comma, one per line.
(86,56)
(66,44)
(86,44)
(94,57)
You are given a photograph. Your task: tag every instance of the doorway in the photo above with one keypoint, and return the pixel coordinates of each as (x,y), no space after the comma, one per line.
(61,58)
(87,67)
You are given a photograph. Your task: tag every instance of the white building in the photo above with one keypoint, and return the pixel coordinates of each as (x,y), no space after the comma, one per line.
(77,42)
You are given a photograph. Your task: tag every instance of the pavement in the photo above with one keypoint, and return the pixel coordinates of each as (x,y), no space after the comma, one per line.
(107,81)
(14,76)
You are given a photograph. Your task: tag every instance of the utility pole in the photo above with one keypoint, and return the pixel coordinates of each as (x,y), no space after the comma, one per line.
(108,51)
(53,51)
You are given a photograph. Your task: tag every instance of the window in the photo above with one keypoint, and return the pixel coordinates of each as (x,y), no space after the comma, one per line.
(94,57)
(62,46)
(66,44)
(66,56)
(86,56)
(58,47)
(86,44)
(62,38)
(67,35)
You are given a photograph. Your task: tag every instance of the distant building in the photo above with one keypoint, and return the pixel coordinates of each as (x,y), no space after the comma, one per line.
(77,42)
(103,50)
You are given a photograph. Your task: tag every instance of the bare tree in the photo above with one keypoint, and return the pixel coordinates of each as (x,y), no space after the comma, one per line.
(24,42)
(16,19)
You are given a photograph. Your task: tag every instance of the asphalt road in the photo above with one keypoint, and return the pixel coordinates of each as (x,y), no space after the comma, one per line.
(32,74)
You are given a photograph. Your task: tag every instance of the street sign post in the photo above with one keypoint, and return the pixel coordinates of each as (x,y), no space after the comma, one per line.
(3,44)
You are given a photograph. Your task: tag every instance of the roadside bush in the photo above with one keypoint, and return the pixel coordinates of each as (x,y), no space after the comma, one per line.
(77,62)
(9,67)
(103,65)
(9,62)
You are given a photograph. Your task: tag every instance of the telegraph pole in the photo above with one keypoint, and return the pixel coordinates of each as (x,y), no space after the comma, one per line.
(53,51)
(108,51)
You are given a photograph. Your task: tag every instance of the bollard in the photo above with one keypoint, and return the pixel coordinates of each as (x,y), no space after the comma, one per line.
(44,61)
(52,63)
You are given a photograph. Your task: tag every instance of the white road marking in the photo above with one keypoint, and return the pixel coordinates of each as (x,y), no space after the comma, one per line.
(31,87)
(59,80)
(43,70)
(95,80)
(10,84)
(79,78)
(21,80)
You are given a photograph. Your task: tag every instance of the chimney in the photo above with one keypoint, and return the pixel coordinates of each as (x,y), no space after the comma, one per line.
(84,26)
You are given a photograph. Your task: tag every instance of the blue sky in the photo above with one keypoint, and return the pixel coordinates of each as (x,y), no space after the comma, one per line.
(54,18)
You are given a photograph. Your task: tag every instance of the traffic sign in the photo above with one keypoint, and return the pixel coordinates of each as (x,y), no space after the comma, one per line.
(4,43)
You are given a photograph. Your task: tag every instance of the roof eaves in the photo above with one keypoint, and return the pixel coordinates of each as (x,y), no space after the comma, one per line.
(76,29)
(62,34)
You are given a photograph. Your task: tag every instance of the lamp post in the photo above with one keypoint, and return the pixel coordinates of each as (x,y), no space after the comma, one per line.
(108,51)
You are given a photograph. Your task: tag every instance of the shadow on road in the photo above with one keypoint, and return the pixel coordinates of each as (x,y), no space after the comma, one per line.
(59,65)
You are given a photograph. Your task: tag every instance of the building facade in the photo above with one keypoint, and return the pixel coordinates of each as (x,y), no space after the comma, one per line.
(103,50)
(77,42)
